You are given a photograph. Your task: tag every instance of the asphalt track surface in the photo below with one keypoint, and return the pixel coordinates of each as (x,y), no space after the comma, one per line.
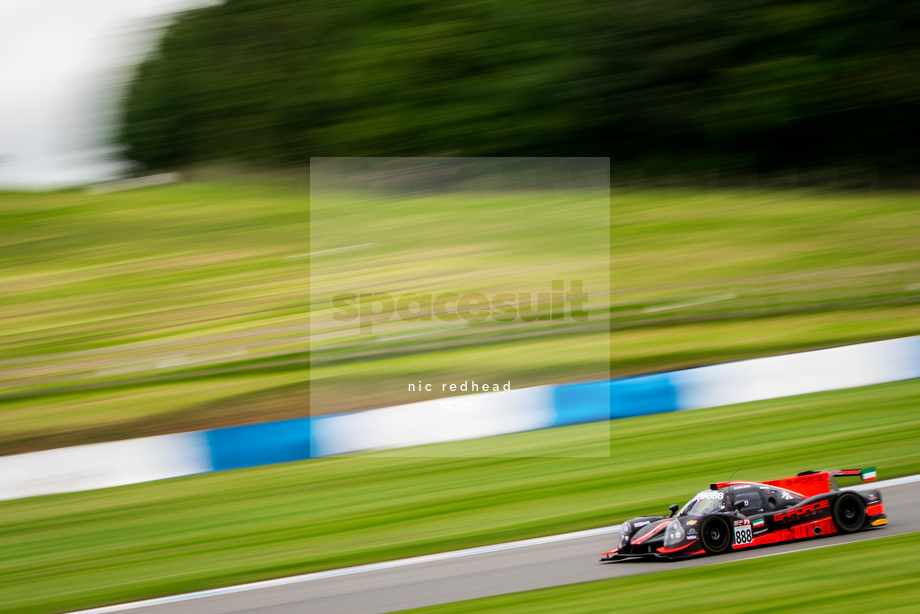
(509,570)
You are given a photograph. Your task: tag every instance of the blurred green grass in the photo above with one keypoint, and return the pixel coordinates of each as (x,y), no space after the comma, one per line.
(186,307)
(78,550)
(882,572)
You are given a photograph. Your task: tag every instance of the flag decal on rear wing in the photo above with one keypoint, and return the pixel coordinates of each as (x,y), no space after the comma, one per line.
(866,475)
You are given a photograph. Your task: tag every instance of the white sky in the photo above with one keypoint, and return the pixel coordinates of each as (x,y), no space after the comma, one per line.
(63,67)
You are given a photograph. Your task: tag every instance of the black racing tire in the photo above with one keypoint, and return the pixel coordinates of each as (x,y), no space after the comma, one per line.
(715,535)
(849,513)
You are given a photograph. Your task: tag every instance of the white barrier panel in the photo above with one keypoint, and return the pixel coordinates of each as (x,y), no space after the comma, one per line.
(435,421)
(802,373)
(103,464)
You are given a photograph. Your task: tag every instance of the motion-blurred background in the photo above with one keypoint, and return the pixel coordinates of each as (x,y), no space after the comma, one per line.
(711,113)
(666,88)
(763,201)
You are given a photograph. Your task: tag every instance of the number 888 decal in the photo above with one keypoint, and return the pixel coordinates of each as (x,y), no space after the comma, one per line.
(744,534)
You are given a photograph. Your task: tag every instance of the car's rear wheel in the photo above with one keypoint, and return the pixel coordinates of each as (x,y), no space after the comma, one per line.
(715,535)
(849,513)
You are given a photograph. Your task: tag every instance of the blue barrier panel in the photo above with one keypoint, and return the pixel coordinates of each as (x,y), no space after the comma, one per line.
(641,396)
(260,444)
(622,398)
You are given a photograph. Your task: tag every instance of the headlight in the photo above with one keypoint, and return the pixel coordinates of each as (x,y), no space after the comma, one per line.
(674,534)
(624,534)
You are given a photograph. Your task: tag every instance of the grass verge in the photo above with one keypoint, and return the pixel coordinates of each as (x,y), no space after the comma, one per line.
(138,313)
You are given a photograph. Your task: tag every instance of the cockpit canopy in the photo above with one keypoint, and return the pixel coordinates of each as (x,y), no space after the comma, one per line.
(747,498)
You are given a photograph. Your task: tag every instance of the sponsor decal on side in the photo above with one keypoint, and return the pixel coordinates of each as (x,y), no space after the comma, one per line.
(805,511)
(691,522)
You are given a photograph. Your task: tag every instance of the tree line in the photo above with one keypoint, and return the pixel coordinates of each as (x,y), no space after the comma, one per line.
(653,84)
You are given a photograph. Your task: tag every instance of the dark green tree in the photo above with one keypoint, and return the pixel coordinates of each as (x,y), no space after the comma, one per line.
(662,84)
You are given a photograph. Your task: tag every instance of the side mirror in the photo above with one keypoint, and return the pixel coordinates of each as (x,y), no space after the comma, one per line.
(674,507)
(740,505)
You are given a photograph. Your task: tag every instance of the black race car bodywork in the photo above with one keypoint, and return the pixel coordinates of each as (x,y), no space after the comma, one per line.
(735,515)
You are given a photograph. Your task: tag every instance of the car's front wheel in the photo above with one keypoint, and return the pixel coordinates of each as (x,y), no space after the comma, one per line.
(849,513)
(715,535)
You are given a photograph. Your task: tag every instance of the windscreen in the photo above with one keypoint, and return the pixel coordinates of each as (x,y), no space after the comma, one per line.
(705,502)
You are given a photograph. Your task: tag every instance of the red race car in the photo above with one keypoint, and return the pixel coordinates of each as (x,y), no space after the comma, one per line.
(735,515)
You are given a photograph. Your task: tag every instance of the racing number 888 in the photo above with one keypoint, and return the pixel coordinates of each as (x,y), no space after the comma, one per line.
(744,534)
